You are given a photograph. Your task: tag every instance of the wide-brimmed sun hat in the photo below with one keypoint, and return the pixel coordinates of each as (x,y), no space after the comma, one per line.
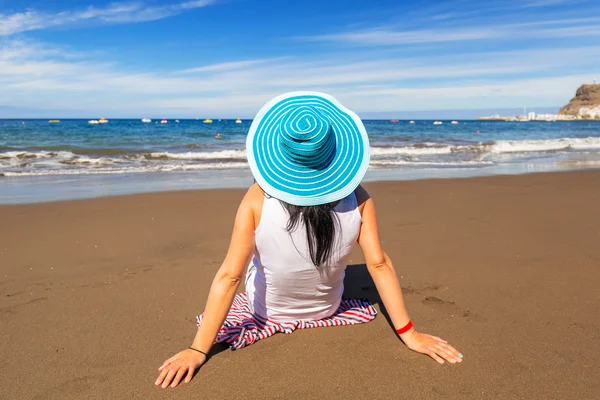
(305,148)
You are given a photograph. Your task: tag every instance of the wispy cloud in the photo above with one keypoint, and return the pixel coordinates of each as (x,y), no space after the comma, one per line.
(550,3)
(231,66)
(22,49)
(458,31)
(543,92)
(28,67)
(385,36)
(37,79)
(31,20)
(461,57)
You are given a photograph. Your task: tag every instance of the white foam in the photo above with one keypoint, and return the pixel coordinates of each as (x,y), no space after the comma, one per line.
(425,155)
(191,155)
(24,155)
(499,147)
(529,146)
(412,151)
(126,170)
(50,172)
(50,159)
(195,167)
(84,160)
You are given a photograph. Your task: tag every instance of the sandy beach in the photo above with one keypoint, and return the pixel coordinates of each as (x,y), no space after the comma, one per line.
(95,294)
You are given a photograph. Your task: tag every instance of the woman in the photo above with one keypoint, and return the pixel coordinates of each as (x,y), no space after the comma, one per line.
(293,234)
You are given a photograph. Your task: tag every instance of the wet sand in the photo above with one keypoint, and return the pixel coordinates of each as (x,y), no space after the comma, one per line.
(95,294)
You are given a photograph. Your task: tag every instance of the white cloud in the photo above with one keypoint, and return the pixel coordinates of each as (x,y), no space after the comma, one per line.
(29,71)
(231,66)
(31,20)
(391,37)
(457,32)
(566,32)
(550,3)
(35,79)
(543,92)
(42,76)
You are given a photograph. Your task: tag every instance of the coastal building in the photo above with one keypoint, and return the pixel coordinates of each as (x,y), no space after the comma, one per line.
(554,117)
(532,116)
(584,106)
(590,112)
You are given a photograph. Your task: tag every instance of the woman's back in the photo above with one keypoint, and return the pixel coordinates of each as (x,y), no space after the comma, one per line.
(282,282)
(309,151)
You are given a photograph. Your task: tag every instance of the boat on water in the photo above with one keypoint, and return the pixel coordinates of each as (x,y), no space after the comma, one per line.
(54,121)
(177,120)
(437,122)
(103,121)
(146,120)
(93,122)
(394,121)
(412,122)
(238,121)
(163,121)
(208,121)
(454,122)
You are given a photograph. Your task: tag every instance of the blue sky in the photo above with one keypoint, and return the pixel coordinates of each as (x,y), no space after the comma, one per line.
(225,58)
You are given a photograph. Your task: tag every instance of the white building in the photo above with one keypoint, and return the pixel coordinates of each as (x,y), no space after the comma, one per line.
(589,112)
(555,117)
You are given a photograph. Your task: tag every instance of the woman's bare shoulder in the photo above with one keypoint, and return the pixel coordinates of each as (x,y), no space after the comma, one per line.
(253,200)
(254,193)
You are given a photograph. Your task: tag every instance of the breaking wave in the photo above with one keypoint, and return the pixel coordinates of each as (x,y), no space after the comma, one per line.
(75,161)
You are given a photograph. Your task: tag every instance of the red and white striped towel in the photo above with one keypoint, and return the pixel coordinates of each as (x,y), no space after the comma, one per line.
(242,328)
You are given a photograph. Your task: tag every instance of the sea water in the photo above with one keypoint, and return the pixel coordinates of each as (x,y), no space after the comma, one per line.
(41,161)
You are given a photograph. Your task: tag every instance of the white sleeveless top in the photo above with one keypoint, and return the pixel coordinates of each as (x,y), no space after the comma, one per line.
(282,283)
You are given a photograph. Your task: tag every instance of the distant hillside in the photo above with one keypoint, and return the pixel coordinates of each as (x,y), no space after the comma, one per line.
(586,102)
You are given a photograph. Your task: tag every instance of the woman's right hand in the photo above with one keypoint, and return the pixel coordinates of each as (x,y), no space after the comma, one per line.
(182,363)
(435,347)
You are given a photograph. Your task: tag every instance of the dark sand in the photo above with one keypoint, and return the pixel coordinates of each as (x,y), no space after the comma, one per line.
(95,294)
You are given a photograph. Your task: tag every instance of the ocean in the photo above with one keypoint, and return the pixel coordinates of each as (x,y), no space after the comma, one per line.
(42,161)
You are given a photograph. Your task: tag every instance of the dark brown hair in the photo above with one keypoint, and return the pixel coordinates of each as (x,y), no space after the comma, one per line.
(320,222)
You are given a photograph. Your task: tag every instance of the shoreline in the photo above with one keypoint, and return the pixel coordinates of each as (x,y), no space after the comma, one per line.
(39,162)
(53,188)
(97,293)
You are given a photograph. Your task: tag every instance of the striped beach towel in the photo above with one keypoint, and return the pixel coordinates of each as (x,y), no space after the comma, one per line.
(242,328)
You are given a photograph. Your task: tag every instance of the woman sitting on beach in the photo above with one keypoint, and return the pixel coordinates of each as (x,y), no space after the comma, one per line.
(293,234)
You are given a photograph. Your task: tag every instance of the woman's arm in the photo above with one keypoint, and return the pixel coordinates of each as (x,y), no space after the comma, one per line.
(220,297)
(386,280)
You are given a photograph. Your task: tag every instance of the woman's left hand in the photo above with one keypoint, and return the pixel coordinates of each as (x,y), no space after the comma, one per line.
(174,369)
(435,347)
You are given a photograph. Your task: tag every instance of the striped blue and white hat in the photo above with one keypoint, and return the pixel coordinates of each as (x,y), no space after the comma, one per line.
(306,149)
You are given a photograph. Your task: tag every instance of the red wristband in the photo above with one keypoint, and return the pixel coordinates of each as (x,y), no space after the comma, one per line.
(405,329)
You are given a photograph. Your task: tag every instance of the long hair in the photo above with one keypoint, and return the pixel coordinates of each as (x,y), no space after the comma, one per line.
(320,222)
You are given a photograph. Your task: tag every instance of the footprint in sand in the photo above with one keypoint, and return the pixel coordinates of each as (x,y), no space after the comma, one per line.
(429,288)
(12,309)
(450,307)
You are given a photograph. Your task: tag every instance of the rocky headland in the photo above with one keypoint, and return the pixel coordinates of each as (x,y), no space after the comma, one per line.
(585,104)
